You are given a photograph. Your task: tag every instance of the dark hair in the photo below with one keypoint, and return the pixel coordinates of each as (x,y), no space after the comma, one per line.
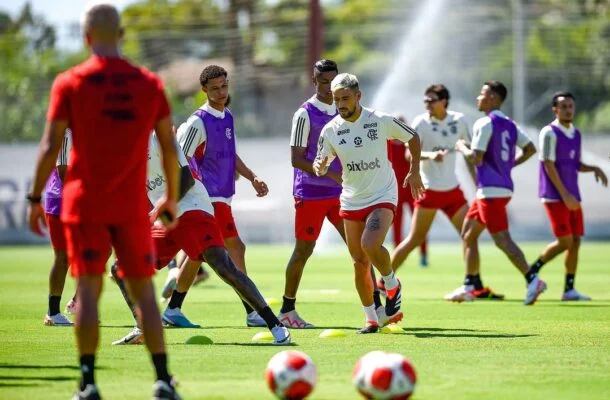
(498,88)
(557,95)
(440,90)
(325,66)
(211,72)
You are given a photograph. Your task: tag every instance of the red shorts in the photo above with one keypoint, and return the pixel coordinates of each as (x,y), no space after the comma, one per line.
(56,232)
(310,215)
(90,245)
(361,215)
(448,201)
(565,222)
(196,231)
(491,213)
(224,219)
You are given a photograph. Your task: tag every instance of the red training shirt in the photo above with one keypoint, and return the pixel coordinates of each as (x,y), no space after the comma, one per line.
(401,166)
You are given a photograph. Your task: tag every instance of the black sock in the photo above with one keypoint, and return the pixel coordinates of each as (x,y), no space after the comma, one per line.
(177,299)
(478,284)
(87,369)
(569,282)
(200,270)
(54,305)
(537,265)
(377,299)
(288,304)
(530,275)
(473,280)
(160,362)
(269,317)
(248,308)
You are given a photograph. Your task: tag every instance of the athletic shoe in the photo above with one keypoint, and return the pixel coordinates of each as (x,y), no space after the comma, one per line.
(170,284)
(165,391)
(462,293)
(255,320)
(136,336)
(369,328)
(202,276)
(90,393)
(71,307)
(423,260)
(384,319)
(574,295)
(486,294)
(174,318)
(281,335)
(381,287)
(534,288)
(393,300)
(292,319)
(57,320)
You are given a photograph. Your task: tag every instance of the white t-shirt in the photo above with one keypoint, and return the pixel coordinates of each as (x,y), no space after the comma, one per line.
(440,135)
(195,199)
(66,146)
(547,141)
(368,177)
(482,131)
(301,127)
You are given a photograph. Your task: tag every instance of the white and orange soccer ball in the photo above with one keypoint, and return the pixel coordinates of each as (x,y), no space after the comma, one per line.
(291,375)
(381,375)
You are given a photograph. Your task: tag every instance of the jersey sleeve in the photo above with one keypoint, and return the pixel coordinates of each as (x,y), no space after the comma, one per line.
(464,129)
(547,142)
(481,134)
(66,146)
(181,157)
(191,135)
(59,101)
(397,129)
(299,133)
(522,138)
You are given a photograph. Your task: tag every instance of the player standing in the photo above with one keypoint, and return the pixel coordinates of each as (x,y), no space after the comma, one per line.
(357,136)
(560,163)
(111,106)
(493,152)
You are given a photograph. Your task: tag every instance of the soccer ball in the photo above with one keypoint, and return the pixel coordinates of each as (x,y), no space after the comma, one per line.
(381,375)
(291,375)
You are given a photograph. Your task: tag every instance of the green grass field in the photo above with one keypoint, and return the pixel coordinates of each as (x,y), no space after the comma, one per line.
(482,350)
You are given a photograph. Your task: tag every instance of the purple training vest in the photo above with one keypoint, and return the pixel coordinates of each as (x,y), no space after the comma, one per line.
(216,167)
(309,186)
(52,196)
(499,158)
(567,163)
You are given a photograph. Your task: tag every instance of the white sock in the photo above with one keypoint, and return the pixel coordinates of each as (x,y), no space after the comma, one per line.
(371,315)
(390,281)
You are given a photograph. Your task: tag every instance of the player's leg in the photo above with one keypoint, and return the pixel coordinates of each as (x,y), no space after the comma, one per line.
(172,272)
(397,224)
(420,225)
(571,258)
(173,315)
(423,247)
(57,275)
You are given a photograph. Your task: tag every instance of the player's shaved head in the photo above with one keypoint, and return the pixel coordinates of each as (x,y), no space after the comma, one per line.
(102,22)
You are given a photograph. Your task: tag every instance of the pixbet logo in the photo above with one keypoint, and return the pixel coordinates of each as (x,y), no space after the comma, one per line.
(363,165)
(152,184)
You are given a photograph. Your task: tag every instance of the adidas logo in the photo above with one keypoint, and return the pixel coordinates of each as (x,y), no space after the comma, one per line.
(342,141)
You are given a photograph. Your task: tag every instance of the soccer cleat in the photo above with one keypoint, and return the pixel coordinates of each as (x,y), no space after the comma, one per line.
(292,319)
(173,317)
(393,300)
(57,320)
(384,319)
(381,287)
(534,289)
(255,320)
(170,284)
(202,276)
(486,294)
(462,293)
(574,295)
(281,335)
(165,391)
(371,327)
(136,336)
(71,307)
(423,260)
(89,393)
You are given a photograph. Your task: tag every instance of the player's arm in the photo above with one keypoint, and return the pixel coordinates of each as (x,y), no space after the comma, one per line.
(475,151)
(186,177)
(191,135)
(62,159)
(166,208)
(257,183)
(403,132)
(326,153)
(527,147)
(600,176)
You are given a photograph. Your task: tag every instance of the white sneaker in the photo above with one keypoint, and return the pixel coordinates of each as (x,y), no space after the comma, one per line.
(136,336)
(534,289)
(255,320)
(71,307)
(170,284)
(57,320)
(462,293)
(292,319)
(384,319)
(574,295)
(281,336)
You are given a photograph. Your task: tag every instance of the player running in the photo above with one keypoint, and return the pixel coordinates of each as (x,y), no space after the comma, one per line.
(560,163)
(111,106)
(357,136)
(208,141)
(493,151)
(198,235)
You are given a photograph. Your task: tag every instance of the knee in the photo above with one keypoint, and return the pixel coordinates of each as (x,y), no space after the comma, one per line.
(303,250)
(503,241)
(218,259)
(240,246)
(369,246)
(568,242)
(468,237)
(575,242)
(61,259)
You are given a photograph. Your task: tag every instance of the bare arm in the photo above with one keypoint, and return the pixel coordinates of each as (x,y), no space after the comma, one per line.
(413,178)
(167,207)
(570,201)
(298,160)
(186,181)
(599,174)
(259,185)
(528,151)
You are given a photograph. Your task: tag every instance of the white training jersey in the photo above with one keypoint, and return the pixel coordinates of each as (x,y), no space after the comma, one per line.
(438,135)
(66,146)
(195,199)
(368,177)
(299,134)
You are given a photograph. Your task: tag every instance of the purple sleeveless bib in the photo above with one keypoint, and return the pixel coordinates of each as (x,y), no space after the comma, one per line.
(567,163)
(499,159)
(52,197)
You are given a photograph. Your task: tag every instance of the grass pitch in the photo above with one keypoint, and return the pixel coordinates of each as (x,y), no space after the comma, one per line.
(483,350)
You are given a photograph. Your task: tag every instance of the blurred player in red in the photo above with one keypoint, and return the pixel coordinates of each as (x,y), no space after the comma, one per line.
(111,106)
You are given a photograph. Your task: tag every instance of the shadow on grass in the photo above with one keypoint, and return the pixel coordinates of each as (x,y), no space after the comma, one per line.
(33,366)
(446,330)
(468,335)
(239,344)
(19,385)
(38,378)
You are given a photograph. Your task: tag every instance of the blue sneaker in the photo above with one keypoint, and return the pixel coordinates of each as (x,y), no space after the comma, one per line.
(175,318)
(423,260)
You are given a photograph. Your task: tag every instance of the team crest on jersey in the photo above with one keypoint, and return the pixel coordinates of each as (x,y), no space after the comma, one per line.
(228,133)
(358,141)
(572,154)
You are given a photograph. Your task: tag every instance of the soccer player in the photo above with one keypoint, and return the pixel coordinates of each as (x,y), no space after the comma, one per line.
(357,136)
(52,209)
(208,141)
(560,163)
(439,129)
(198,235)
(493,152)
(111,106)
